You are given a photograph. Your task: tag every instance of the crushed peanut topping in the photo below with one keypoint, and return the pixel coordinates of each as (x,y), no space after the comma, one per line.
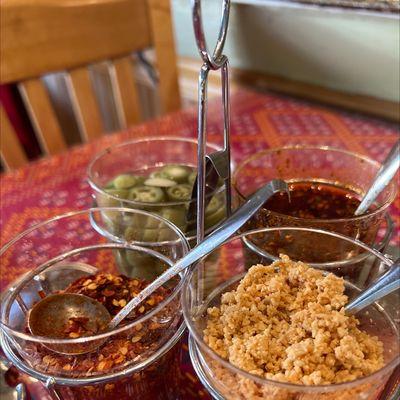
(286,322)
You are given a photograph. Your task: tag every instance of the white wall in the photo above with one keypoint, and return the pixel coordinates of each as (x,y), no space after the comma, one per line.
(345,50)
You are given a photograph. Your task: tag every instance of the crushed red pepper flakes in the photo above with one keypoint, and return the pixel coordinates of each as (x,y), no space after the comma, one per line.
(113,291)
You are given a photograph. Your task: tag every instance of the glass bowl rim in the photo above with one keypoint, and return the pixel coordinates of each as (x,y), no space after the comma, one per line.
(25,277)
(260,154)
(378,246)
(108,150)
(230,367)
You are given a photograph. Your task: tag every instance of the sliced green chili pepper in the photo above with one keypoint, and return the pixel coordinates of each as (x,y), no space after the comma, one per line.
(213,219)
(159,182)
(143,266)
(146,194)
(192,177)
(159,174)
(213,206)
(180,192)
(104,200)
(176,215)
(143,234)
(127,181)
(121,193)
(178,173)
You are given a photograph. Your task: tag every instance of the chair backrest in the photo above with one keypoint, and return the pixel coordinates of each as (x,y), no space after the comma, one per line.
(44,36)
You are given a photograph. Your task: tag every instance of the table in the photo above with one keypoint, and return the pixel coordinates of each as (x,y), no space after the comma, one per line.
(57,184)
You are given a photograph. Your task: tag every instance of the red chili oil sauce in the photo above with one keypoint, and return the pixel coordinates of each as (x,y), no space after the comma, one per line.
(315,200)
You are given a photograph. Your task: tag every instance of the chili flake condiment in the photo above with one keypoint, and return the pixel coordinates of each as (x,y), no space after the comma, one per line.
(114,292)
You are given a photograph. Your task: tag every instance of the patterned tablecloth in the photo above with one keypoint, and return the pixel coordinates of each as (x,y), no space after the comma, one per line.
(58,184)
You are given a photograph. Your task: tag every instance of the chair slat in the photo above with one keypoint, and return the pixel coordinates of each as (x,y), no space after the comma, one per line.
(41,112)
(84,103)
(12,154)
(42,36)
(125,91)
(163,38)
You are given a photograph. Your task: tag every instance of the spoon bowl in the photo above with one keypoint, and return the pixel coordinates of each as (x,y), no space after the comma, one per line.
(60,315)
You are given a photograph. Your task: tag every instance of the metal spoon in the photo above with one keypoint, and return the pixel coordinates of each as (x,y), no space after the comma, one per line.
(382,178)
(385,285)
(20,391)
(62,307)
(222,233)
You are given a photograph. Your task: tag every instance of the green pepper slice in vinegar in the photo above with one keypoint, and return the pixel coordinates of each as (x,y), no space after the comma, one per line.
(147,194)
(141,222)
(213,206)
(103,200)
(213,219)
(159,182)
(127,181)
(135,234)
(180,192)
(178,173)
(153,223)
(110,218)
(192,177)
(165,234)
(176,215)
(158,174)
(143,266)
(121,193)
(133,222)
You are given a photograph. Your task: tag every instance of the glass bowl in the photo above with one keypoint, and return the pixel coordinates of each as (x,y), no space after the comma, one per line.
(320,165)
(142,157)
(139,358)
(203,289)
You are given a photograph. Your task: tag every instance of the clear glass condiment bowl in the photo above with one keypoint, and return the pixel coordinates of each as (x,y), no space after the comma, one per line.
(143,156)
(213,276)
(320,165)
(49,256)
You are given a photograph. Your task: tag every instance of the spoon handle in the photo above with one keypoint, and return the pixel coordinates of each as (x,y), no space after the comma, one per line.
(222,233)
(383,177)
(388,283)
(20,391)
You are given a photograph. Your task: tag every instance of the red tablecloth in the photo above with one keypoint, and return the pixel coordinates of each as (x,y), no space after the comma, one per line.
(58,184)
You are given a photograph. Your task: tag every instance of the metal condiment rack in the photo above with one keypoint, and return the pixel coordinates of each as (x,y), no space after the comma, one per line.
(216,61)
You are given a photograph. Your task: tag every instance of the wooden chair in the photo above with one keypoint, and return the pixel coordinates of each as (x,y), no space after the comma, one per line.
(43,36)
